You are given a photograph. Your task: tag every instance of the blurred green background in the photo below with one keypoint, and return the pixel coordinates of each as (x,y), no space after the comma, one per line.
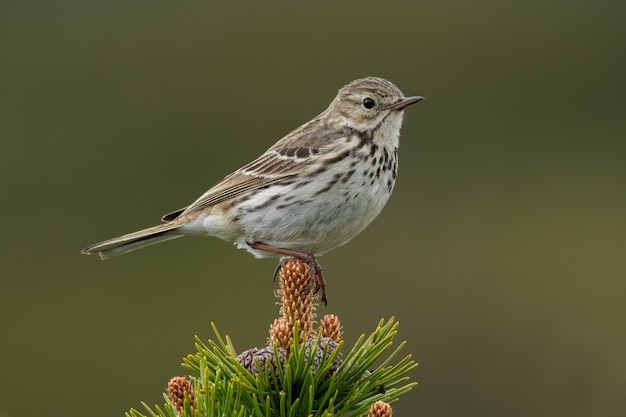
(502,251)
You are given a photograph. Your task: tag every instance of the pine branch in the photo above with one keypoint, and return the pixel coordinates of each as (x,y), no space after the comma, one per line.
(302,371)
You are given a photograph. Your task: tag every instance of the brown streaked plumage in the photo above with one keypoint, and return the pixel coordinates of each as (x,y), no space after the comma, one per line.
(312,191)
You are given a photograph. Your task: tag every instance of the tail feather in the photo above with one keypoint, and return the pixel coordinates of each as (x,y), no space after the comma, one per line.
(133,241)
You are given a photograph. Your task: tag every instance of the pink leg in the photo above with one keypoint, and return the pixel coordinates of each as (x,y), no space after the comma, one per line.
(309,259)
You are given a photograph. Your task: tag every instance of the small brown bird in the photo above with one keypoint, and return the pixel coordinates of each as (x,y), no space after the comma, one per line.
(311,192)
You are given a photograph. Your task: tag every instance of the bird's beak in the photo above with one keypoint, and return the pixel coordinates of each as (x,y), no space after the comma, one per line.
(404,102)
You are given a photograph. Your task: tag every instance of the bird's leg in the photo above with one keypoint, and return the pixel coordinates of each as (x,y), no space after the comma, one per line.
(314,266)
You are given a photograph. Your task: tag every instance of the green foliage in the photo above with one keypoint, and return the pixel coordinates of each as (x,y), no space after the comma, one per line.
(301,386)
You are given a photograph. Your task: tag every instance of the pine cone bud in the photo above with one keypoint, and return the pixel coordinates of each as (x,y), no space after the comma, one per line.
(380,409)
(330,327)
(280,334)
(296,294)
(176,390)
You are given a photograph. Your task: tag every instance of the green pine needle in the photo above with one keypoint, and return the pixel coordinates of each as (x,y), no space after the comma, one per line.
(300,387)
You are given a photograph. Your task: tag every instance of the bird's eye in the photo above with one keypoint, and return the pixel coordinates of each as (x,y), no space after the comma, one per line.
(368,103)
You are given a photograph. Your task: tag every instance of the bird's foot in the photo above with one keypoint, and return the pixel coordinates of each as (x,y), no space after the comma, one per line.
(315,269)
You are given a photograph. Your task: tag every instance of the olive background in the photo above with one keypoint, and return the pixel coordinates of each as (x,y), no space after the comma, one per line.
(502,252)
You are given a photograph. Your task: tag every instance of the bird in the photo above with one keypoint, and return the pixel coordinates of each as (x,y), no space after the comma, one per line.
(312,191)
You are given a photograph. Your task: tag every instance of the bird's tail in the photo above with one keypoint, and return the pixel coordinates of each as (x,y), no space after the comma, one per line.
(133,241)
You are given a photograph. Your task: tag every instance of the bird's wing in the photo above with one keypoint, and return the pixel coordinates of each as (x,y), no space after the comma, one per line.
(289,157)
(232,186)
